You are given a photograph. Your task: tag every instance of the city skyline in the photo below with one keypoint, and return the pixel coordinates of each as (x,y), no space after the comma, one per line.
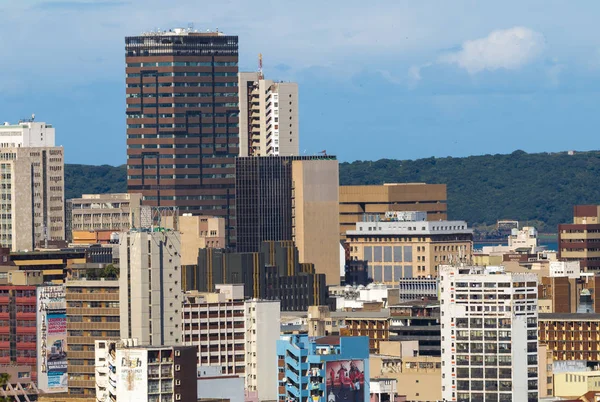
(440,78)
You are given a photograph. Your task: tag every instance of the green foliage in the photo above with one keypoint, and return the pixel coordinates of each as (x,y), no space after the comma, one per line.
(88,179)
(539,189)
(109,272)
(4,380)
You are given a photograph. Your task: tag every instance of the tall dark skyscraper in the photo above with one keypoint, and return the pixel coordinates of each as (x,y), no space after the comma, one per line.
(182,121)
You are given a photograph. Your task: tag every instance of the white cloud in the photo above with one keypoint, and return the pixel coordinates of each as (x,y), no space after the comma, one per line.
(508,49)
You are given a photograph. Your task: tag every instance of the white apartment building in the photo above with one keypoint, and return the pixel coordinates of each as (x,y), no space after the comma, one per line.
(570,269)
(27,134)
(268,116)
(524,240)
(489,334)
(238,336)
(263,326)
(31,186)
(150,294)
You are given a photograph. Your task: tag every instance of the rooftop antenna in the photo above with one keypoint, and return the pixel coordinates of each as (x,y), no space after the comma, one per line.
(260,67)
(191,26)
(32,116)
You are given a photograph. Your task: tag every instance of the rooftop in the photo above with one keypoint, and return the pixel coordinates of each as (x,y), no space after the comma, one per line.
(569,317)
(183,32)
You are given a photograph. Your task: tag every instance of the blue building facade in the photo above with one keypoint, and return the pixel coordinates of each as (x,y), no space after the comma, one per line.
(323,369)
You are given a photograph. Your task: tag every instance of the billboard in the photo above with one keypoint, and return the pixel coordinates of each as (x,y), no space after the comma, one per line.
(52,339)
(345,381)
(132,370)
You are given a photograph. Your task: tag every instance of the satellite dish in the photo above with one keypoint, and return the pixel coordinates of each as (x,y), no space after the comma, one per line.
(32,116)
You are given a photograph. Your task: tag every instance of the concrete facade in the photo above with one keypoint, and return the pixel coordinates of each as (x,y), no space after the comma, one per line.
(197,232)
(355,201)
(489,331)
(268,116)
(27,134)
(102,213)
(150,283)
(398,248)
(92,314)
(145,373)
(316,215)
(31,196)
(262,333)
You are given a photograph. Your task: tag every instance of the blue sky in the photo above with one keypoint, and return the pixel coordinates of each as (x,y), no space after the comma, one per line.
(391,79)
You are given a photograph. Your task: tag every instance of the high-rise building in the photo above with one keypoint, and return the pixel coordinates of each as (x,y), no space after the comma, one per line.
(489,334)
(31,186)
(182,121)
(93,218)
(355,201)
(263,325)
(150,286)
(579,241)
(291,198)
(268,116)
(406,245)
(92,314)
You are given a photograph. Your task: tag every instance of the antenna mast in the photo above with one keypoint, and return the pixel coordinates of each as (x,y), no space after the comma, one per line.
(260,70)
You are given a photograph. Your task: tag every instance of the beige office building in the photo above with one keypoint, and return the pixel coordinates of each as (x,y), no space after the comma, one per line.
(405,245)
(150,283)
(197,231)
(419,377)
(31,186)
(315,211)
(92,314)
(356,201)
(107,213)
(291,198)
(268,116)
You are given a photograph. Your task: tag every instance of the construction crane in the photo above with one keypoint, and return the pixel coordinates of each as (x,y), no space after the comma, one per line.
(260,70)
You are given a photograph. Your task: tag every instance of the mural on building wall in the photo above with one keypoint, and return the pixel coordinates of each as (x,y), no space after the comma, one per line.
(345,381)
(52,339)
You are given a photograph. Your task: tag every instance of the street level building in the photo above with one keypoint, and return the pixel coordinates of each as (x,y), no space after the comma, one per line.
(405,245)
(182,121)
(489,334)
(31,186)
(268,116)
(356,201)
(128,372)
(293,198)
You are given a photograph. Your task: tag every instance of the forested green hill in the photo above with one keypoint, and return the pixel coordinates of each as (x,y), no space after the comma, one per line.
(537,188)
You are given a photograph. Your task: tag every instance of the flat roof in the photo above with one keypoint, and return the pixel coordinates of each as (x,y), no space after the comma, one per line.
(569,316)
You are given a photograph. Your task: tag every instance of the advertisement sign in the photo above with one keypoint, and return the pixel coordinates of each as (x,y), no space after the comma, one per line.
(345,381)
(52,339)
(132,369)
